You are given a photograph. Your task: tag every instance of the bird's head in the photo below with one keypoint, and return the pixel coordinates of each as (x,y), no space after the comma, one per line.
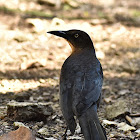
(77,39)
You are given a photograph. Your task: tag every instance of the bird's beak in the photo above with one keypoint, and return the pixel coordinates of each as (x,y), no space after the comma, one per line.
(59,33)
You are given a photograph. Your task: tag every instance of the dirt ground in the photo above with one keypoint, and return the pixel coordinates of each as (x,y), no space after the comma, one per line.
(31,59)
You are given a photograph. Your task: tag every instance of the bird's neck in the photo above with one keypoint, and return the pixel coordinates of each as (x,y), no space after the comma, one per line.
(78,50)
(83,52)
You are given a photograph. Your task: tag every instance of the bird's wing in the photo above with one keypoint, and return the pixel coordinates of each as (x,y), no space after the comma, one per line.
(87,88)
(66,100)
(79,89)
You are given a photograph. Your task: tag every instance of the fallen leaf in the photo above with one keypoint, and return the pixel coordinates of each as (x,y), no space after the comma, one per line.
(43,131)
(138,132)
(31,65)
(22,133)
(107,122)
(108,100)
(124,91)
(125,127)
(129,119)
(19,124)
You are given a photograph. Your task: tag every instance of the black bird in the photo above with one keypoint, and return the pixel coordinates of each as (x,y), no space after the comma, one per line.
(80,85)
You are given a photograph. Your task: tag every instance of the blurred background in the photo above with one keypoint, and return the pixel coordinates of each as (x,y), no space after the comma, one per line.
(31,59)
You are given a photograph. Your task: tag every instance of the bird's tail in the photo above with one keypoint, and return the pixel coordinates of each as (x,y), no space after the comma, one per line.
(90,125)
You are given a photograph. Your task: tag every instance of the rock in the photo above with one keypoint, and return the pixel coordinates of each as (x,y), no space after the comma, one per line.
(125,127)
(25,111)
(117,109)
(21,133)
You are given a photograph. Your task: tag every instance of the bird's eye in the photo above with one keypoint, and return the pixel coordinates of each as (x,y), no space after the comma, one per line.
(76,35)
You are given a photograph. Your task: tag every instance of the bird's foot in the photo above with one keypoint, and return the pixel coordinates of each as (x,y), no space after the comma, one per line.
(64,137)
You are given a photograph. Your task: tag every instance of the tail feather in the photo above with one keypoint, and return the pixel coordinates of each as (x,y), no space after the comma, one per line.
(90,125)
(72,125)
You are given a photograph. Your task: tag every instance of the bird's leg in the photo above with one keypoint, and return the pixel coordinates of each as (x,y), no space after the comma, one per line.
(65,134)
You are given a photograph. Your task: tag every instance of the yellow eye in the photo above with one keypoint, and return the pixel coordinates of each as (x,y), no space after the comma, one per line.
(76,35)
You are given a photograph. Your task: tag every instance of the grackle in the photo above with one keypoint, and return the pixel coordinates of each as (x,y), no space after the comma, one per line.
(81,82)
